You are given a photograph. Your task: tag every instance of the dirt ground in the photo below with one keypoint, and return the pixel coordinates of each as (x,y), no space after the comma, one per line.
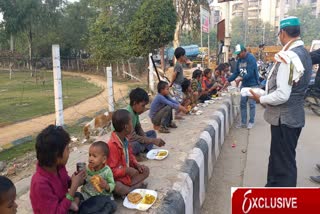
(23,167)
(86,108)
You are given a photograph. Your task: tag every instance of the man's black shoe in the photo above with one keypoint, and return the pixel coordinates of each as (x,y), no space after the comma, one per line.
(315,179)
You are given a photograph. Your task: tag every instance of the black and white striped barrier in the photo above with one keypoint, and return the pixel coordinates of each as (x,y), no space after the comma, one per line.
(188,193)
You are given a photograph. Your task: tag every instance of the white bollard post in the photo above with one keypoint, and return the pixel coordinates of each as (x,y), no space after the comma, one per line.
(151,71)
(110,89)
(57,85)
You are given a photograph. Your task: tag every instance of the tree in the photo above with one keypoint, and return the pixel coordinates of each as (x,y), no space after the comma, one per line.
(310,27)
(27,16)
(153,27)
(237,31)
(109,35)
(256,33)
(188,13)
(3,39)
(11,21)
(74,28)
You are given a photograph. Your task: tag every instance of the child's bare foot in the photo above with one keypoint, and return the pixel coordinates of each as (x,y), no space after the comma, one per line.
(173,125)
(164,129)
(74,207)
(178,117)
(156,127)
(144,185)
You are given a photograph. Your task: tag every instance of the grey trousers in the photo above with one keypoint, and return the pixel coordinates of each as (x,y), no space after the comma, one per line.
(163,117)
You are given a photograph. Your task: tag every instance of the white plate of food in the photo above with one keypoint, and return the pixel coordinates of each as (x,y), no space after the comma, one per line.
(199,112)
(209,101)
(157,154)
(217,98)
(140,199)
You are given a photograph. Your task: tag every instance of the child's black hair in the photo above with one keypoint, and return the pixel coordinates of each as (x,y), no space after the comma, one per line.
(102,145)
(50,145)
(179,52)
(120,119)
(138,95)
(197,73)
(221,67)
(207,71)
(185,85)
(5,185)
(161,85)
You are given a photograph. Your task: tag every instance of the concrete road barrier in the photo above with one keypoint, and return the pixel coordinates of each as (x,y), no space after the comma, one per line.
(188,194)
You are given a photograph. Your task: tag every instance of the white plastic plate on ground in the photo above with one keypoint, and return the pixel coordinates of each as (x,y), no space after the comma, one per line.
(141,205)
(153,154)
(217,98)
(208,101)
(199,112)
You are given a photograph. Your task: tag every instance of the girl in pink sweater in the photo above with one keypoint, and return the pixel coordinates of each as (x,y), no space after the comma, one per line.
(52,190)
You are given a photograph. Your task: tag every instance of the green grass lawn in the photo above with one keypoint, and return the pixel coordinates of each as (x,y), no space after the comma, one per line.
(22,149)
(25,97)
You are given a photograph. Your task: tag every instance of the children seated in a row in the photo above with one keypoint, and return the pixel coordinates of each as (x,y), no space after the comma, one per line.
(7,196)
(161,108)
(196,85)
(99,171)
(189,96)
(208,83)
(53,191)
(128,173)
(140,141)
(222,74)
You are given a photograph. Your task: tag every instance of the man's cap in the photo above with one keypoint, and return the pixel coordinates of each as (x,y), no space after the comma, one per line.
(289,22)
(239,48)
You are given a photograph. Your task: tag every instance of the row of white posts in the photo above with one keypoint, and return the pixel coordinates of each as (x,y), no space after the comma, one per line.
(58,84)
(58,99)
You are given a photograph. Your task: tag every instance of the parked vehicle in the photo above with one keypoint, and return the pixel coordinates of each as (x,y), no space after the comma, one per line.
(264,69)
(312,97)
(192,51)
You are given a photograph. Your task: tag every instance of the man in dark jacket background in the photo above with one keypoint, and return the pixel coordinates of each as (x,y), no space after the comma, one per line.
(315,57)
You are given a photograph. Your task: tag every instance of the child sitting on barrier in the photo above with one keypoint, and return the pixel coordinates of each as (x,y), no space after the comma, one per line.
(208,85)
(7,196)
(52,190)
(127,172)
(99,176)
(161,108)
(196,86)
(140,141)
(189,97)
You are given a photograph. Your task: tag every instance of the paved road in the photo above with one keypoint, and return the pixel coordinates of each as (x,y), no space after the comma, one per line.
(246,164)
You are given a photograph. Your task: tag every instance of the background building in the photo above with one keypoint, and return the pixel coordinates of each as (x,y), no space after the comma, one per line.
(270,11)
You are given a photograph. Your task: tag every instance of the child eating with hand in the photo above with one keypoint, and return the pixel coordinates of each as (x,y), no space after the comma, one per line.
(52,190)
(161,108)
(99,176)
(128,174)
(7,196)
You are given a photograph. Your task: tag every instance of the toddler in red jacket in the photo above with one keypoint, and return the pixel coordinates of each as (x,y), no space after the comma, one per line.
(127,173)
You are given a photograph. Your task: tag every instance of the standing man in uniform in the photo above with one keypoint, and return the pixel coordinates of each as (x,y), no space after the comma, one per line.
(286,87)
